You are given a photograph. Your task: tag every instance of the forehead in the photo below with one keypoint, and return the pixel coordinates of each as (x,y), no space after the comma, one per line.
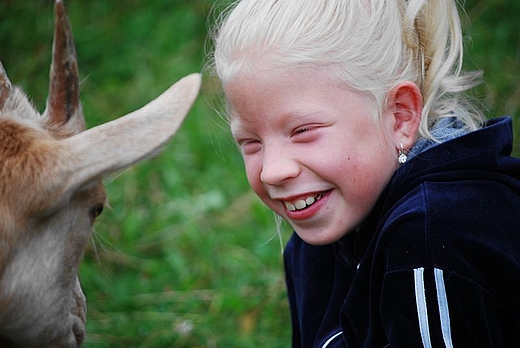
(272,88)
(257,97)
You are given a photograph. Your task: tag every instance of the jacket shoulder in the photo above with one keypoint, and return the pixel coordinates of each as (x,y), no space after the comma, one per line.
(454,226)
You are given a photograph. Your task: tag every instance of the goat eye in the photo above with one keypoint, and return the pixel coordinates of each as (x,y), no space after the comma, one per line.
(96,211)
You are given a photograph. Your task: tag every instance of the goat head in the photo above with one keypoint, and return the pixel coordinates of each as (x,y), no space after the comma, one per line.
(51,192)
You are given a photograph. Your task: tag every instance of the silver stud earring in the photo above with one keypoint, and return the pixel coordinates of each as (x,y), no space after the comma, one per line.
(402,158)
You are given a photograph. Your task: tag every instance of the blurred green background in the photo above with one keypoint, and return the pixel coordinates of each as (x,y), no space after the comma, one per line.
(187,256)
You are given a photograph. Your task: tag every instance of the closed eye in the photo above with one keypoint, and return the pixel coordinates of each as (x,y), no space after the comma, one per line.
(306,128)
(249,146)
(302,129)
(305,133)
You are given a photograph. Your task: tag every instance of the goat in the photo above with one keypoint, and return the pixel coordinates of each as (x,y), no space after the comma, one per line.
(51,191)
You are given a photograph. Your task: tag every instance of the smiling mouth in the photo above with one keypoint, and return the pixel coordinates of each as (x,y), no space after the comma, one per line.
(303,203)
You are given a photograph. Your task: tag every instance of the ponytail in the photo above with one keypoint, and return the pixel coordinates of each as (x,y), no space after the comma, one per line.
(432,30)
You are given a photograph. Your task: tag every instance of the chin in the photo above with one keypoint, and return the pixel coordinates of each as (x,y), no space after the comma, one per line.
(320,237)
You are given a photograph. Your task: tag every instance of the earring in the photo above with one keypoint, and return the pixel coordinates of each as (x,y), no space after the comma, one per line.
(402,158)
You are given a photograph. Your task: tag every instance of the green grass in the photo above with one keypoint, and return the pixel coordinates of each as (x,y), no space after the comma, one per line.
(186,255)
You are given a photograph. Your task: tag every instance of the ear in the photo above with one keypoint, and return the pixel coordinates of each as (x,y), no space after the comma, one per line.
(63,112)
(139,135)
(404,104)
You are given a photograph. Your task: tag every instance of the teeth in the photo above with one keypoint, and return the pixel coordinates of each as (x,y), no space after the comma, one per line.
(301,204)
(290,206)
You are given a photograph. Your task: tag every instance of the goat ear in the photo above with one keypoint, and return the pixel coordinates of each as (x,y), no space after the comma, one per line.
(5,86)
(63,112)
(115,145)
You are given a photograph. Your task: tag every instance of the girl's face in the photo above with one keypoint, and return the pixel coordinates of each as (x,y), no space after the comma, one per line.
(312,150)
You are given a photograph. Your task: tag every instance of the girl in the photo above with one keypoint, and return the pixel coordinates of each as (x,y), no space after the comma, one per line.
(404,202)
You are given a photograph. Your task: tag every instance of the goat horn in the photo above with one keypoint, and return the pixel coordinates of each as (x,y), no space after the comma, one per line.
(5,86)
(63,102)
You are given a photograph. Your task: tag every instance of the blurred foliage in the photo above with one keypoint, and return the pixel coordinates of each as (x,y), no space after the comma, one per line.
(187,256)
(493,46)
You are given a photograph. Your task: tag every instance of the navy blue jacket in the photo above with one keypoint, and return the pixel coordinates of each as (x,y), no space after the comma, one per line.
(436,263)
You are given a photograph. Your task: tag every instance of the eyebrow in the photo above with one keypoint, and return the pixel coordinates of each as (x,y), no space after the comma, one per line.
(305,114)
(300,114)
(235,126)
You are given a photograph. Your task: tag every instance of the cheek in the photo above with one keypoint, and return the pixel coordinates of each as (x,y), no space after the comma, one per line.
(364,172)
(253,171)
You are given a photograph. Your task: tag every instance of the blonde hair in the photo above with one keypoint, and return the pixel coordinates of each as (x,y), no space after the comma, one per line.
(370,45)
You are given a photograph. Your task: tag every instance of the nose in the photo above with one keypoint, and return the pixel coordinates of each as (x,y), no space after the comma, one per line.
(278,166)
